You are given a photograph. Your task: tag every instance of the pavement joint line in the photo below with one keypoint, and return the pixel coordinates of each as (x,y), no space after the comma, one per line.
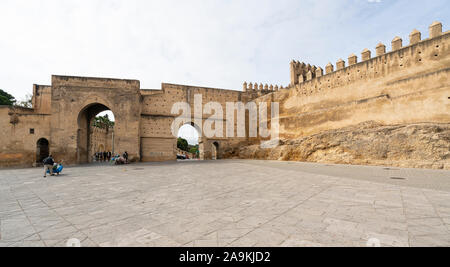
(58,214)
(249,191)
(31,224)
(405,215)
(302,202)
(437,212)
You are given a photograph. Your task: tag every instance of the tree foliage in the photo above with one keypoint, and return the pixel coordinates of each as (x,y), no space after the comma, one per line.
(6,99)
(183,144)
(103,122)
(194,149)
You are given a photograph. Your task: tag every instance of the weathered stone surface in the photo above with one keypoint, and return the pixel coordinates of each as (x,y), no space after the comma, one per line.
(415,146)
(225,203)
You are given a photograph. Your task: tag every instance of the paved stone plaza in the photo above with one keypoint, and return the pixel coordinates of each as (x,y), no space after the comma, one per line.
(225,203)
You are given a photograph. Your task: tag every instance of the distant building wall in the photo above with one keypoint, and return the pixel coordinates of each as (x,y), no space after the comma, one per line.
(101,139)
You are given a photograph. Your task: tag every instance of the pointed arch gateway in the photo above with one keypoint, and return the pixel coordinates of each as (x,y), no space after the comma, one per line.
(192,133)
(208,149)
(42,150)
(86,149)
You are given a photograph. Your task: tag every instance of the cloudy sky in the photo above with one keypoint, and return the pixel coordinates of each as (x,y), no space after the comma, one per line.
(214,43)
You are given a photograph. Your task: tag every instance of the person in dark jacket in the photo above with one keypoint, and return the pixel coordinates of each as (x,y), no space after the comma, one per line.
(125,156)
(48,165)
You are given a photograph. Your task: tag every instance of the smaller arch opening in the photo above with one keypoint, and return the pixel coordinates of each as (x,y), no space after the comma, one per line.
(42,150)
(188,143)
(215,151)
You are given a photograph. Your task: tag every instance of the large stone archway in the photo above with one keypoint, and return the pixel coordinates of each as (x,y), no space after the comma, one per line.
(75,101)
(201,147)
(84,149)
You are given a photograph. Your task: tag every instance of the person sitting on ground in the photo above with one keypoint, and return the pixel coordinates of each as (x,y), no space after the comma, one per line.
(48,165)
(119,160)
(57,168)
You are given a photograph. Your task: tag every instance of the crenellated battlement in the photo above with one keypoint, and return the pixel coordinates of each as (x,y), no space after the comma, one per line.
(263,88)
(311,79)
(301,72)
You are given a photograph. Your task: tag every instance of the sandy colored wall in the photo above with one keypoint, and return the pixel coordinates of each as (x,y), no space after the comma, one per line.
(42,99)
(391,110)
(18,147)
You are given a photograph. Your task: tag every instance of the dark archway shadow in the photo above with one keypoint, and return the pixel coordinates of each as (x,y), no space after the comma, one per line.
(85,152)
(215,151)
(42,150)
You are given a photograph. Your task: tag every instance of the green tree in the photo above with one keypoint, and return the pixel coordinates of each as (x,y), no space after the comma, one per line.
(103,122)
(193,149)
(183,144)
(6,99)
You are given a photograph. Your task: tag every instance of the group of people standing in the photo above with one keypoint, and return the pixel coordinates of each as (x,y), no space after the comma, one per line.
(103,156)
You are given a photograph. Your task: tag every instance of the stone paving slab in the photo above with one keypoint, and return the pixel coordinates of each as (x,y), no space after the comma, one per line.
(225,203)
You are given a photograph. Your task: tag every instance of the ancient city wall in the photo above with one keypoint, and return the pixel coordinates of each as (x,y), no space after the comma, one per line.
(409,85)
(61,113)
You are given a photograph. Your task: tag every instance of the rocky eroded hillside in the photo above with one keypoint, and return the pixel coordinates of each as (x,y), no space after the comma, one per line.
(411,146)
